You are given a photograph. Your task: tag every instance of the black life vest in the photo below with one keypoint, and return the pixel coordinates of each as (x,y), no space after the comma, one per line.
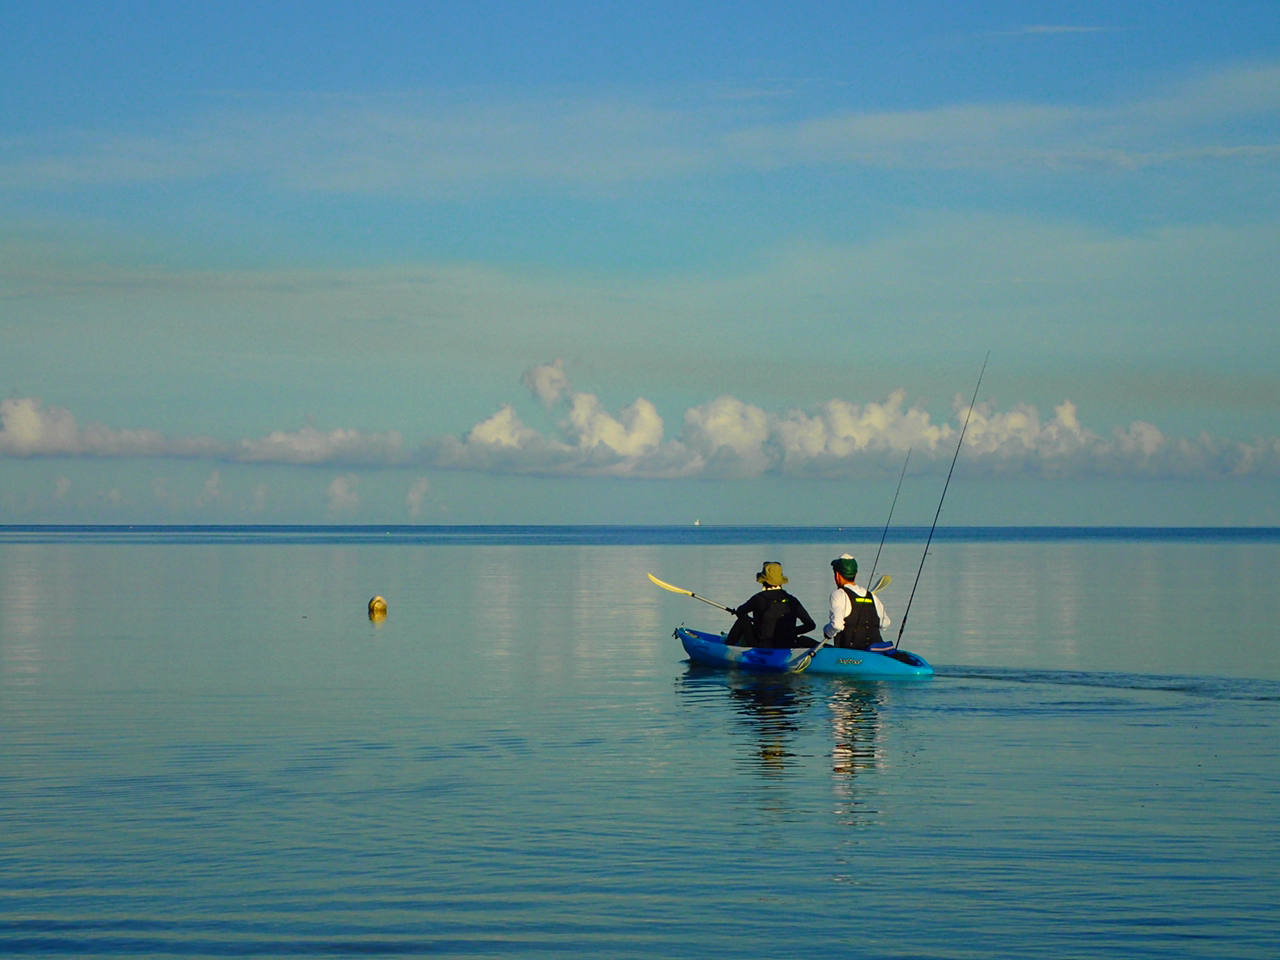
(781,606)
(772,621)
(861,626)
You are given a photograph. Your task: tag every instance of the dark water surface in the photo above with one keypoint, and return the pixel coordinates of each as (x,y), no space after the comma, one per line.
(207,749)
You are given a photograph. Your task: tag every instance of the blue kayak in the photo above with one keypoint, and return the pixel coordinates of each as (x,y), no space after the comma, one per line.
(710,649)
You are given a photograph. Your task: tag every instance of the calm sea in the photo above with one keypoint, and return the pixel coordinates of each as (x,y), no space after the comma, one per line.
(208,750)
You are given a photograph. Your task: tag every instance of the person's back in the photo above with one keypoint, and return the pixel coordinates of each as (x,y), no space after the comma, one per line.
(772,617)
(856,614)
(862,626)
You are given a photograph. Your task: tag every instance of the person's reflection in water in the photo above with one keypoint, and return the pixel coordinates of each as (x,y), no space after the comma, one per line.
(771,705)
(856,748)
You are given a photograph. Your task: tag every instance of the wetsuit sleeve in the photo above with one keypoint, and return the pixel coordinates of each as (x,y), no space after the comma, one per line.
(743,631)
(806,622)
(747,609)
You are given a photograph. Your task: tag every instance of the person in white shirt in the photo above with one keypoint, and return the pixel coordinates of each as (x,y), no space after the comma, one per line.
(857,617)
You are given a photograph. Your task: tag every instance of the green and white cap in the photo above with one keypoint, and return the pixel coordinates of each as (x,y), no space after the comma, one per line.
(845,565)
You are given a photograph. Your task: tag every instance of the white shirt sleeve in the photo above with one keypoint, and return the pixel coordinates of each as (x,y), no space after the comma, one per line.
(884,617)
(839,607)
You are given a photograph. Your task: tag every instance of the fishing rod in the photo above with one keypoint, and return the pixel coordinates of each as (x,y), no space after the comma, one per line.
(907,612)
(890,520)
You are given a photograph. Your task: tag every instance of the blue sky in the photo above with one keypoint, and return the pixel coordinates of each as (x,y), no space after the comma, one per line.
(511,262)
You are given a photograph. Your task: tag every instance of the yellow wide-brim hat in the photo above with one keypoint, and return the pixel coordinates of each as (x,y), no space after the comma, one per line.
(771,574)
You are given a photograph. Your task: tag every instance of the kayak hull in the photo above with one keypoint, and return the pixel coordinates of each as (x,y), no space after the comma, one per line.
(711,650)
(864,663)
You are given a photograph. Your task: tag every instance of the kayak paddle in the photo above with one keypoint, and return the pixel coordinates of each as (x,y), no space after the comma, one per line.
(689,593)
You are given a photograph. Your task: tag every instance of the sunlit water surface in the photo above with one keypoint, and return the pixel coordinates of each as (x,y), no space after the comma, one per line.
(207,749)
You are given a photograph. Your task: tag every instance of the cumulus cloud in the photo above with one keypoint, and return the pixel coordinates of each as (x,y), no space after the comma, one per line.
(840,431)
(728,438)
(503,430)
(342,494)
(28,429)
(635,432)
(1018,438)
(591,442)
(547,382)
(725,438)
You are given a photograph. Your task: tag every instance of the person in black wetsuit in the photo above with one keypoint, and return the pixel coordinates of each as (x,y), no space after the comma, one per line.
(773,617)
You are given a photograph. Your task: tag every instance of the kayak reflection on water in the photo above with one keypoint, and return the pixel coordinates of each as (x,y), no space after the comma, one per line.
(773,708)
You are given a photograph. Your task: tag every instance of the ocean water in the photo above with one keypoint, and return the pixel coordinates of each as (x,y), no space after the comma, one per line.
(208,750)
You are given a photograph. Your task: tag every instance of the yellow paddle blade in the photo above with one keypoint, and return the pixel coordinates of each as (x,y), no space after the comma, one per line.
(801,665)
(883,582)
(667,586)
(687,593)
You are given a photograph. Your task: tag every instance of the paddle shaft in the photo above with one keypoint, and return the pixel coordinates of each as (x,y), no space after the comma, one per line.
(959,444)
(719,606)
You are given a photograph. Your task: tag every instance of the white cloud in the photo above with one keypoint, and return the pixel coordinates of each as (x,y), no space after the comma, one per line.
(593,442)
(729,437)
(417,495)
(27,429)
(342,495)
(61,487)
(635,432)
(724,438)
(840,430)
(547,382)
(503,430)
(311,446)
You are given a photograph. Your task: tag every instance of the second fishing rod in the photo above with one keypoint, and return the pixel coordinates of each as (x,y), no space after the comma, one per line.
(906,613)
